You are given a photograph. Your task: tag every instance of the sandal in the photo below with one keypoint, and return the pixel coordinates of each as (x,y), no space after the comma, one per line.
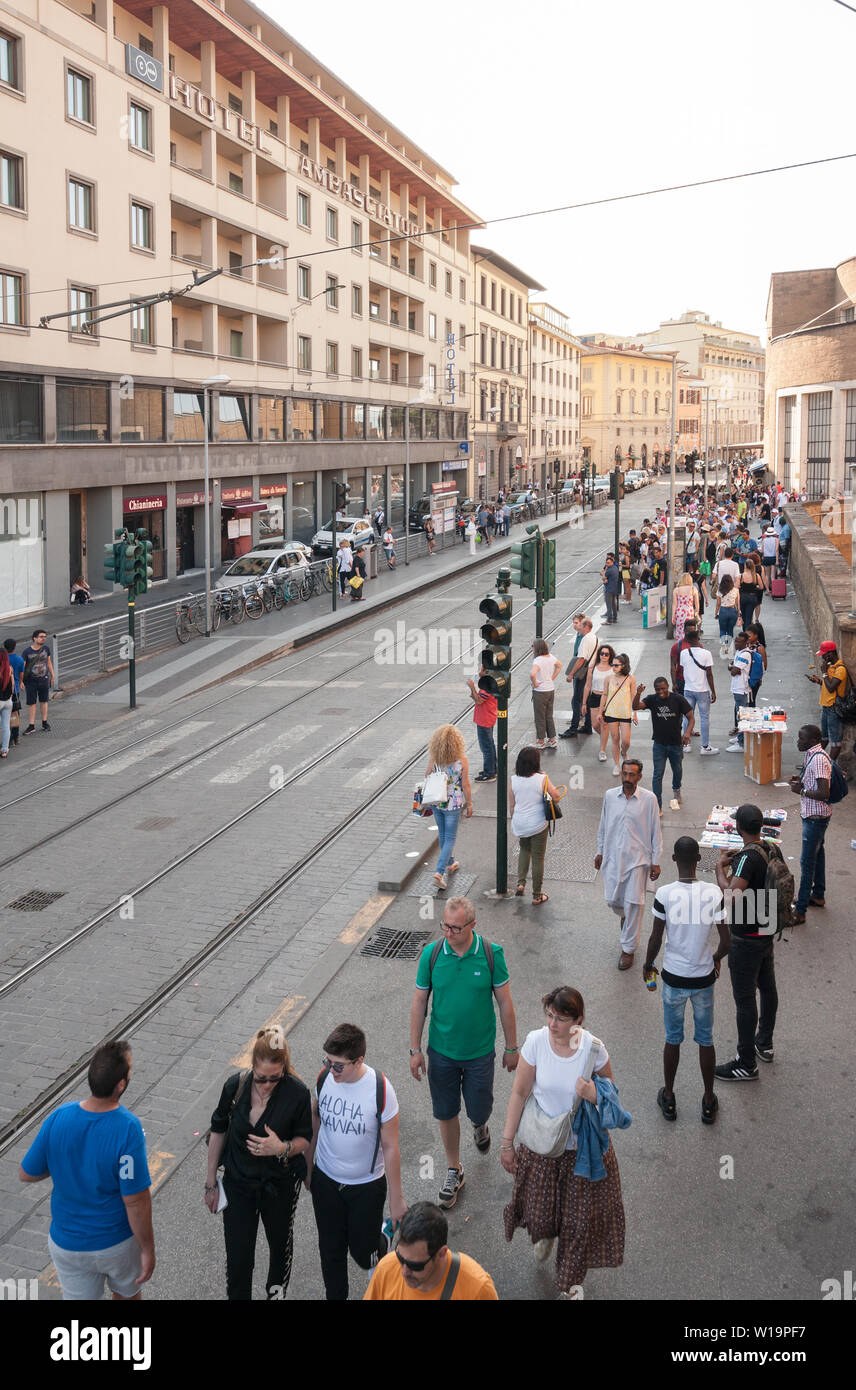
(539,898)
(708,1112)
(440,881)
(521,889)
(453,868)
(668,1107)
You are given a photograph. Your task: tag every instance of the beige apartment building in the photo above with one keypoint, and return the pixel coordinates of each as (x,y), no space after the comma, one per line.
(729,363)
(689,427)
(554,406)
(810,437)
(625,406)
(142,148)
(499,334)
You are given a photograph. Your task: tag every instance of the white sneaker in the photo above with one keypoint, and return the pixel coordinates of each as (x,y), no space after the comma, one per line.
(601,757)
(543,1249)
(708,752)
(734,748)
(616,771)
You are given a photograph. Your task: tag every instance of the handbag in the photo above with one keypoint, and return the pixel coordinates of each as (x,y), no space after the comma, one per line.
(545,1134)
(419,811)
(435,789)
(356,583)
(844,707)
(552,809)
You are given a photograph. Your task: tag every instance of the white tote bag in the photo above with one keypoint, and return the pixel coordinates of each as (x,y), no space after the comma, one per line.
(435,791)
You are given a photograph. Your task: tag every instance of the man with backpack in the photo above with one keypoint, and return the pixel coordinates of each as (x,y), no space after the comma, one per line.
(38,678)
(466,974)
(814,787)
(759,886)
(354,1154)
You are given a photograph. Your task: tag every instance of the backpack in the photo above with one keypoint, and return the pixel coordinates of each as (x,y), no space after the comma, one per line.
(780,881)
(438,946)
(838,787)
(380,1103)
(845,705)
(756,670)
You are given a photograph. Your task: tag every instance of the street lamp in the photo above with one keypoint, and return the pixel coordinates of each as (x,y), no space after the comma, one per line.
(418,401)
(488,410)
(208,382)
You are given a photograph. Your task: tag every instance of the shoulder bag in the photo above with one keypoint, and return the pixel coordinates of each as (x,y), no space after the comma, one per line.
(552,809)
(243,1078)
(435,789)
(545,1134)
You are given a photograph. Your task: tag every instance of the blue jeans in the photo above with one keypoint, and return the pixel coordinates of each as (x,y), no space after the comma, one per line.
(727,621)
(672,753)
(812,862)
(675,1006)
(5,717)
(700,700)
(488,750)
(739,702)
(447,827)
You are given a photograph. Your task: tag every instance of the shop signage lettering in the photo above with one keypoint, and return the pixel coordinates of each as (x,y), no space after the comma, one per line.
(185,94)
(454,465)
(444,487)
(20,518)
(355,196)
(155,503)
(449,368)
(192,499)
(273,489)
(236,494)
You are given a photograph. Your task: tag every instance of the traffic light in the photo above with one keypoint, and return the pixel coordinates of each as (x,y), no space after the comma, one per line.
(616,486)
(496,632)
(343,492)
(549,576)
(142,563)
(523,563)
(113,559)
(127,575)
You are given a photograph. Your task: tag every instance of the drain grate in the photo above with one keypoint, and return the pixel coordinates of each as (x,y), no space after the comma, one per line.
(423,885)
(156,823)
(36,901)
(389,944)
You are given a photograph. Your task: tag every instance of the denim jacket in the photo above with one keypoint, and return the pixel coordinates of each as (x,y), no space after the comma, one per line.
(591,1125)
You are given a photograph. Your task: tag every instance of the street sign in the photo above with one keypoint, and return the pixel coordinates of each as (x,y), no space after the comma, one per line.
(463,447)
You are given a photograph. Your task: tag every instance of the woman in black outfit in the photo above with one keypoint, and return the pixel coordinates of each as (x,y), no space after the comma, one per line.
(358,595)
(261,1138)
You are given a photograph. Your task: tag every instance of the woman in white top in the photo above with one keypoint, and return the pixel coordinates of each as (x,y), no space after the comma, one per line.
(345,564)
(528,821)
(548,1201)
(599,673)
(545,669)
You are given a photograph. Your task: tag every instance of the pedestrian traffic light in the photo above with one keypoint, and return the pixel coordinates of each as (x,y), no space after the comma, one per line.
(496,632)
(616,486)
(142,563)
(343,492)
(127,575)
(549,575)
(113,561)
(523,563)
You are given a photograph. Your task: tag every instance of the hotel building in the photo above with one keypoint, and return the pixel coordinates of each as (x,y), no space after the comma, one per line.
(554,356)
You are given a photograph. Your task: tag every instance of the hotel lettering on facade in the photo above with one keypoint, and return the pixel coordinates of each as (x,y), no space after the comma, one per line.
(140,148)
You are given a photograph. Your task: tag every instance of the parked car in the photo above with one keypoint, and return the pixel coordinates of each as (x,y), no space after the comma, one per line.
(278,543)
(520,507)
(355,530)
(263,564)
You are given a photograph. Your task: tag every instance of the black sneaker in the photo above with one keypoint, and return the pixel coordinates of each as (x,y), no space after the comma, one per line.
(481,1136)
(46,728)
(766,1054)
(448,1194)
(735,1070)
(479,777)
(491,778)
(569,733)
(30,729)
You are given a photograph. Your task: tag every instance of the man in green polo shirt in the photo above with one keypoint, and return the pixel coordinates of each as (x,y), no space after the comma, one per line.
(462,1033)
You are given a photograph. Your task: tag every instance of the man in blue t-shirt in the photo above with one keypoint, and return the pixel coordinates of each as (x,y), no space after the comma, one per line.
(17,664)
(94,1151)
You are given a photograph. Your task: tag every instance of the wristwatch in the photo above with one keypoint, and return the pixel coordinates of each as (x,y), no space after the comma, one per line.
(416,1051)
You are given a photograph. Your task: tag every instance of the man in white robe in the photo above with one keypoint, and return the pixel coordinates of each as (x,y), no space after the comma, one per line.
(629,850)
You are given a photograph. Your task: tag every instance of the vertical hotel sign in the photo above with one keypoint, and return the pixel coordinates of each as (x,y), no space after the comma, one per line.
(449,369)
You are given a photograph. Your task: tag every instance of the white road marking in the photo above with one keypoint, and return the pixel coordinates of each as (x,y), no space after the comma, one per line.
(264,685)
(253,761)
(159,744)
(344,685)
(399,751)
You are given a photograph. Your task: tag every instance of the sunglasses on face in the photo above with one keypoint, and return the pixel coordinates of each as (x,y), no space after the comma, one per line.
(415,1266)
(266,1080)
(337,1067)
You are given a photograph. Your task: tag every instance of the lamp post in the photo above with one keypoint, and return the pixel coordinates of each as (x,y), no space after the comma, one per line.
(488,410)
(670,566)
(418,401)
(206,384)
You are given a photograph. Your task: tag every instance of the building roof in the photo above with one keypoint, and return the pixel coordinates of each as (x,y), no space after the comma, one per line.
(484,253)
(603,350)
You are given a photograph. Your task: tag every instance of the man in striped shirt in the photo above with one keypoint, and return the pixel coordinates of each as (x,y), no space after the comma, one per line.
(812,787)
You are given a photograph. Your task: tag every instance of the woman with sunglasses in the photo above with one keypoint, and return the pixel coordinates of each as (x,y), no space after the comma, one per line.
(585,1215)
(598,674)
(617,709)
(260,1131)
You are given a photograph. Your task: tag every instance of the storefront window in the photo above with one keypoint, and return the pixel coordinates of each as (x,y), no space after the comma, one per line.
(396,422)
(447,424)
(187,416)
(432,424)
(462,424)
(331,421)
(357,498)
(20,410)
(82,413)
(21,553)
(355,422)
(378,493)
(234,417)
(303,506)
(375,424)
(303,419)
(415,422)
(142,415)
(396,497)
(271,417)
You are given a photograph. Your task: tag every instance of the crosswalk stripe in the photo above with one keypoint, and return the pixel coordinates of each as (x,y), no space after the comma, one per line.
(153,745)
(254,761)
(403,748)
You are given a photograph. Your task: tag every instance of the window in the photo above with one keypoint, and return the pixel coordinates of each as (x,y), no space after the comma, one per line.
(187,416)
(357,301)
(432,377)
(587,400)
(357,236)
(20,410)
(462,290)
(236,342)
(140,127)
(271,417)
(432,325)
(331,420)
(356,363)
(493,294)
(233,416)
(273,127)
(142,330)
(236,182)
(79,301)
(81,205)
(818,444)
(302,420)
(374,368)
(849,426)
(304,354)
(448,282)
(502,301)
(304,282)
(141,416)
(303,210)
(78,96)
(331,294)
(332,359)
(304,147)
(432,274)
(141,227)
(332,224)
(145,45)
(82,413)
(235,104)
(10,61)
(375,422)
(11,180)
(235,263)
(483,293)
(11,299)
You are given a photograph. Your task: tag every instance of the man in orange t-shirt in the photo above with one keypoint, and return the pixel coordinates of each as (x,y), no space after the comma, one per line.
(423,1267)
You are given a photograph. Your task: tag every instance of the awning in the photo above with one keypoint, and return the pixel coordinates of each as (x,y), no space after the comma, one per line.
(245,507)
(757,467)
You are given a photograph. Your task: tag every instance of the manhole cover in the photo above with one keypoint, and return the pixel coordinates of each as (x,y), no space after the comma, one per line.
(156,823)
(35,901)
(423,886)
(571,861)
(389,944)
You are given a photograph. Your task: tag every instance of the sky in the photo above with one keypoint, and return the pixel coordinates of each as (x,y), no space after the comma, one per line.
(559,101)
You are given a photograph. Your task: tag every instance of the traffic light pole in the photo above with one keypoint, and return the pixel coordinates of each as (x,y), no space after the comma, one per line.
(502,794)
(132,660)
(617,509)
(539,586)
(335,560)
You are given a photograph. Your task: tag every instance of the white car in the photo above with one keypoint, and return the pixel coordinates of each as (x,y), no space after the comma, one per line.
(263,564)
(355,530)
(601,482)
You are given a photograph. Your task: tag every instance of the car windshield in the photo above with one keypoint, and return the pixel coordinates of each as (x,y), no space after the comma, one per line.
(249,565)
(521,497)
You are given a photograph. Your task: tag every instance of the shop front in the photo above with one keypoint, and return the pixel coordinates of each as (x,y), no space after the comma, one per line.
(190,527)
(146,512)
(273,492)
(22,585)
(304,523)
(237,507)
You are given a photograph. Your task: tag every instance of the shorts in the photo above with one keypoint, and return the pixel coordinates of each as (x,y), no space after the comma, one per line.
(449,1079)
(38,690)
(594,701)
(82,1273)
(614,719)
(831,726)
(674,1008)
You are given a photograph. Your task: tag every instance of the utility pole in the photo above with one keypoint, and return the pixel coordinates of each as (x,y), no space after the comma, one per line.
(706,440)
(617,485)
(496,660)
(670,554)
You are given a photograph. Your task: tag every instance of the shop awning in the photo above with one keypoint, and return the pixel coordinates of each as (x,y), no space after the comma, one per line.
(757,467)
(246,507)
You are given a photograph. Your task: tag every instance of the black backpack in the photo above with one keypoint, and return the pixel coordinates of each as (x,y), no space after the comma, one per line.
(380,1102)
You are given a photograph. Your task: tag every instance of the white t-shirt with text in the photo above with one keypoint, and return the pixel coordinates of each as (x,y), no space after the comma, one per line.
(346,1139)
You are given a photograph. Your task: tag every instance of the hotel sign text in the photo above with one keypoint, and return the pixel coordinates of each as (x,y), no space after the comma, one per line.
(211,110)
(355,196)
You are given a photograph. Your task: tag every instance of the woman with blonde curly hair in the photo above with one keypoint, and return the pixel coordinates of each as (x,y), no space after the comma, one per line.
(446,750)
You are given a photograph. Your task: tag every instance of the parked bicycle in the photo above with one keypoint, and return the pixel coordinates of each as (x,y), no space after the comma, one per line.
(190,618)
(253,602)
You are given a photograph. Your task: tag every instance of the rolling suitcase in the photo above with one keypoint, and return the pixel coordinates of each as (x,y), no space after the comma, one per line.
(779,587)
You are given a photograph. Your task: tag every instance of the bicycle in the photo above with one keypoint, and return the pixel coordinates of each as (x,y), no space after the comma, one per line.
(253,602)
(189,615)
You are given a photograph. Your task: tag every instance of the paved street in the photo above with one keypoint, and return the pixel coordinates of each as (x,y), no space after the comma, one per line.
(780,1225)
